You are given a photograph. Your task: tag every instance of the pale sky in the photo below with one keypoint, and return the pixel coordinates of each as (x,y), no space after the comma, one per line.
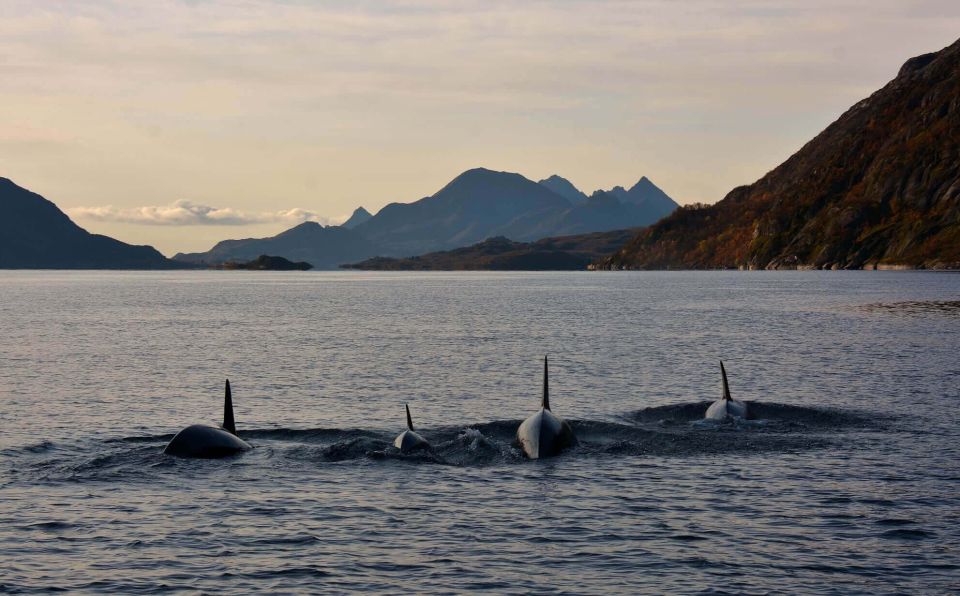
(179,124)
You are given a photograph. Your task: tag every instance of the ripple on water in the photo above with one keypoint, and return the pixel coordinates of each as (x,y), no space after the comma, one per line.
(665,431)
(908,534)
(819,494)
(915,307)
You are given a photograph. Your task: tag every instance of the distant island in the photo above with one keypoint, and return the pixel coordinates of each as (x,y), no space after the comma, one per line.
(879,188)
(567,253)
(266,263)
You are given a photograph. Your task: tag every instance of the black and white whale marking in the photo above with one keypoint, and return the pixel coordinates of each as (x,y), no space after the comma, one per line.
(545,434)
(409,440)
(726,407)
(200,440)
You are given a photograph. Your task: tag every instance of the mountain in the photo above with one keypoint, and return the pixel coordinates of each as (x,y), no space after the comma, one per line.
(323,247)
(880,187)
(647,196)
(35,234)
(569,253)
(564,188)
(600,213)
(617,191)
(480,204)
(359,216)
(476,205)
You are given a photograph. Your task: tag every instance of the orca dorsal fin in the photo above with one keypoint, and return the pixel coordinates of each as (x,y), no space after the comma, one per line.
(726,387)
(545,404)
(228,424)
(409,419)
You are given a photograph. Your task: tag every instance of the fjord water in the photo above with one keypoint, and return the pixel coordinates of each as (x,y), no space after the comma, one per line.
(849,481)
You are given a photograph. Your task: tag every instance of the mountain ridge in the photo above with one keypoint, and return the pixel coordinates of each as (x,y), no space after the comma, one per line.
(36,234)
(475,205)
(879,187)
(324,247)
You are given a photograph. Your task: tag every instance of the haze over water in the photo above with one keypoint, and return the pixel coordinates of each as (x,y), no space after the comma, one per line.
(849,482)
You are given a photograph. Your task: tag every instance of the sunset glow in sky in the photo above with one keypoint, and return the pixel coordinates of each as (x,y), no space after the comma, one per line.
(179,124)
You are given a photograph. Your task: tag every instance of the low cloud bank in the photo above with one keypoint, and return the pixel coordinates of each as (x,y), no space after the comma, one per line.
(188,213)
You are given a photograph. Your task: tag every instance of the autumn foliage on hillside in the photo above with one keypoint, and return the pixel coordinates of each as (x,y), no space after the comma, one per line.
(878,187)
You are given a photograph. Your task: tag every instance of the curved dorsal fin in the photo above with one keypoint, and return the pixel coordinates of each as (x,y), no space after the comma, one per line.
(545,404)
(726,387)
(409,419)
(228,423)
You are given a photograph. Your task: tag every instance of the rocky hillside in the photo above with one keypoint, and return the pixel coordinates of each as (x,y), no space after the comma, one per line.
(880,187)
(35,234)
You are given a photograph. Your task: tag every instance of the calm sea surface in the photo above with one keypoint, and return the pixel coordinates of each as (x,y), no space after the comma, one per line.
(849,481)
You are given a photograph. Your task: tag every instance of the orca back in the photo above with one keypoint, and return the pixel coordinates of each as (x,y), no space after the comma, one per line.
(202,441)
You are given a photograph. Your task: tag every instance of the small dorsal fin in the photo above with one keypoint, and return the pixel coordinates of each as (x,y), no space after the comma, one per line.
(409,419)
(228,423)
(726,387)
(545,404)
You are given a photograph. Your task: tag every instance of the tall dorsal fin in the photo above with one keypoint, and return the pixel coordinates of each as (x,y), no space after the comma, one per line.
(409,419)
(726,387)
(228,423)
(545,404)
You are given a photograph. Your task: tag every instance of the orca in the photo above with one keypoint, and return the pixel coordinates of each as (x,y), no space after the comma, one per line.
(545,434)
(726,406)
(200,440)
(409,440)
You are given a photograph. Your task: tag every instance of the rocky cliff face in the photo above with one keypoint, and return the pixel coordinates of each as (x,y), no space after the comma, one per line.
(880,187)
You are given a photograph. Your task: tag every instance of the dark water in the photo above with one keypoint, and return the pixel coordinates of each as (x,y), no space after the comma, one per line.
(848,480)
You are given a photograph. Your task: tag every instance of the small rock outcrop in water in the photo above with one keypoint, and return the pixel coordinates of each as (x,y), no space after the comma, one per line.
(35,234)
(268,263)
(879,188)
(566,253)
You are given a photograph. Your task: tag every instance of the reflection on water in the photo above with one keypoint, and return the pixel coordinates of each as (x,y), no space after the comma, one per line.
(846,478)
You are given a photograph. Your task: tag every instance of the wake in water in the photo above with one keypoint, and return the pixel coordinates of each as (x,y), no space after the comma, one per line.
(766,416)
(665,431)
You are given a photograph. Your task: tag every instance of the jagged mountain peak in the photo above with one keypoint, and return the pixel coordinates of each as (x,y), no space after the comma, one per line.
(564,188)
(359,216)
